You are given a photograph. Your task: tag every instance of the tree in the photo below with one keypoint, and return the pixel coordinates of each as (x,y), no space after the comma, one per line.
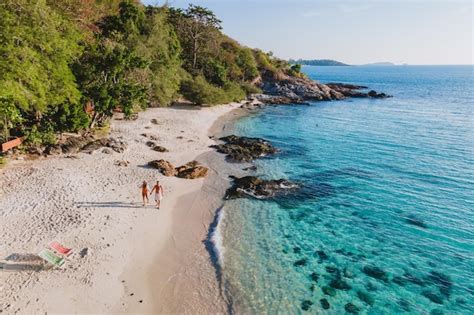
(196,26)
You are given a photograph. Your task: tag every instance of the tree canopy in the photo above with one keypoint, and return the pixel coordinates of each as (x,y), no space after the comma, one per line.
(57,56)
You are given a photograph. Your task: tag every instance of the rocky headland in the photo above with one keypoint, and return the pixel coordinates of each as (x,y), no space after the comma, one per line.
(301,90)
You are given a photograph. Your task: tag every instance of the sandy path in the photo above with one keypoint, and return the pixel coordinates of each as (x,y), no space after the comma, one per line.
(137,257)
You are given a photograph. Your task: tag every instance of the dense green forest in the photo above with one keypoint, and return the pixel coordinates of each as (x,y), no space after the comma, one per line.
(59,57)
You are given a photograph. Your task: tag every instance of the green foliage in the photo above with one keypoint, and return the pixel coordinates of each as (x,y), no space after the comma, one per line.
(58,55)
(9,116)
(250,88)
(3,161)
(43,134)
(37,46)
(199,91)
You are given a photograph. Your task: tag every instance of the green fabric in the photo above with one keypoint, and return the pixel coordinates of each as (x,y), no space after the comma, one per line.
(51,257)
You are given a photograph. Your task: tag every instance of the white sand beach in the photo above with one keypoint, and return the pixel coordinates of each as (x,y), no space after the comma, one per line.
(127,258)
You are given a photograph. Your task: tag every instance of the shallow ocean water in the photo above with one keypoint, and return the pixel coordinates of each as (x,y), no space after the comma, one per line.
(385,216)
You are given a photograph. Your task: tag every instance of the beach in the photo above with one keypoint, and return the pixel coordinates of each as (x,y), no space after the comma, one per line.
(127,257)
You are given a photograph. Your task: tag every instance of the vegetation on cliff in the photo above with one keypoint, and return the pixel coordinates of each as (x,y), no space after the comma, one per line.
(66,65)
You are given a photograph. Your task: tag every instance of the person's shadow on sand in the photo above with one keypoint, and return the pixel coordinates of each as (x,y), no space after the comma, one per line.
(110,204)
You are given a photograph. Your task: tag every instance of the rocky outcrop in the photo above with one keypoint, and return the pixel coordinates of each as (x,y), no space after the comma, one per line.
(294,90)
(244,149)
(86,144)
(190,170)
(116,145)
(251,186)
(165,167)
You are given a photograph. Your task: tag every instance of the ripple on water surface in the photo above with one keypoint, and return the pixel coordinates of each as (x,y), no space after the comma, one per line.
(384,222)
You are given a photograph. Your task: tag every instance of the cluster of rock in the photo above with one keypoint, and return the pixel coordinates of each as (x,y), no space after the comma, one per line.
(251,186)
(294,90)
(190,170)
(244,149)
(87,144)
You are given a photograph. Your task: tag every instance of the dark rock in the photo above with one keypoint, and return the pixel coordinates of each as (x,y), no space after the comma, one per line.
(375,272)
(312,287)
(322,255)
(251,186)
(401,281)
(328,291)
(314,277)
(340,284)
(301,262)
(433,297)
(325,304)
(250,168)
(159,148)
(404,304)
(118,146)
(192,170)
(331,269)
(461,301)
(443,282)
(296,250)
(154,121)
(351,308)
(165,167)
(244,149)
(365,297)
(107,151)
(306,305)
(151,144)
(436,311)
(415,221)
(53,149)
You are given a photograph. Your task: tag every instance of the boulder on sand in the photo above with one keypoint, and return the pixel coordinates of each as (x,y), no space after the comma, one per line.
(165,167)
(192,170)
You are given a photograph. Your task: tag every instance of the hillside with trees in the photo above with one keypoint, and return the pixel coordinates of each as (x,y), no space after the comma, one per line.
(317,62)
(67,65)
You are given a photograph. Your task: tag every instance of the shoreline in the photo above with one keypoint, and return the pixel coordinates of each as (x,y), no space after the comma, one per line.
(133,259)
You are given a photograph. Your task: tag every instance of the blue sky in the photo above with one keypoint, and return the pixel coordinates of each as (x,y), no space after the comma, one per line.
(355,32)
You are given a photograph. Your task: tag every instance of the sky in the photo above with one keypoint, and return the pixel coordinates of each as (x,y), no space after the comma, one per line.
(355,32)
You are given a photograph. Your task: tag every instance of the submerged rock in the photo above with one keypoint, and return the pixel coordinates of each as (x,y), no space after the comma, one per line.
(251,186)
(443,282)
(325,304)
(415,221)
(375,272)
(340,284)
(301,262)
(351,308)
(365,297)
(328,291)
(244,149)
(306,305)
(314,277)
(322,255)
(433,297)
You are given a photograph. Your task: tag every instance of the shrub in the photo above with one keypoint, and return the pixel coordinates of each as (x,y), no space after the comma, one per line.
(250,88)
(200,92)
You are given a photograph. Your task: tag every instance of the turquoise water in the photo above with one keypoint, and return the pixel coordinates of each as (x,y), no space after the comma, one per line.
(386,184)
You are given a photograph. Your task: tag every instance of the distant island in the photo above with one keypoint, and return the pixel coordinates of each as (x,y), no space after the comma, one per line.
(317,62)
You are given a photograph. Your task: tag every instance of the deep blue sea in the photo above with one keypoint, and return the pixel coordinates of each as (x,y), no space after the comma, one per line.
(385,216)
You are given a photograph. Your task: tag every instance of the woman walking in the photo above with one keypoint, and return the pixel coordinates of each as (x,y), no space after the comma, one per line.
(158,189)
(145,193)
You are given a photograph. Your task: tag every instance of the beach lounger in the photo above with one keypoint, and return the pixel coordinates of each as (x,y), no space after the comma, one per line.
(60,248)
(51,257)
